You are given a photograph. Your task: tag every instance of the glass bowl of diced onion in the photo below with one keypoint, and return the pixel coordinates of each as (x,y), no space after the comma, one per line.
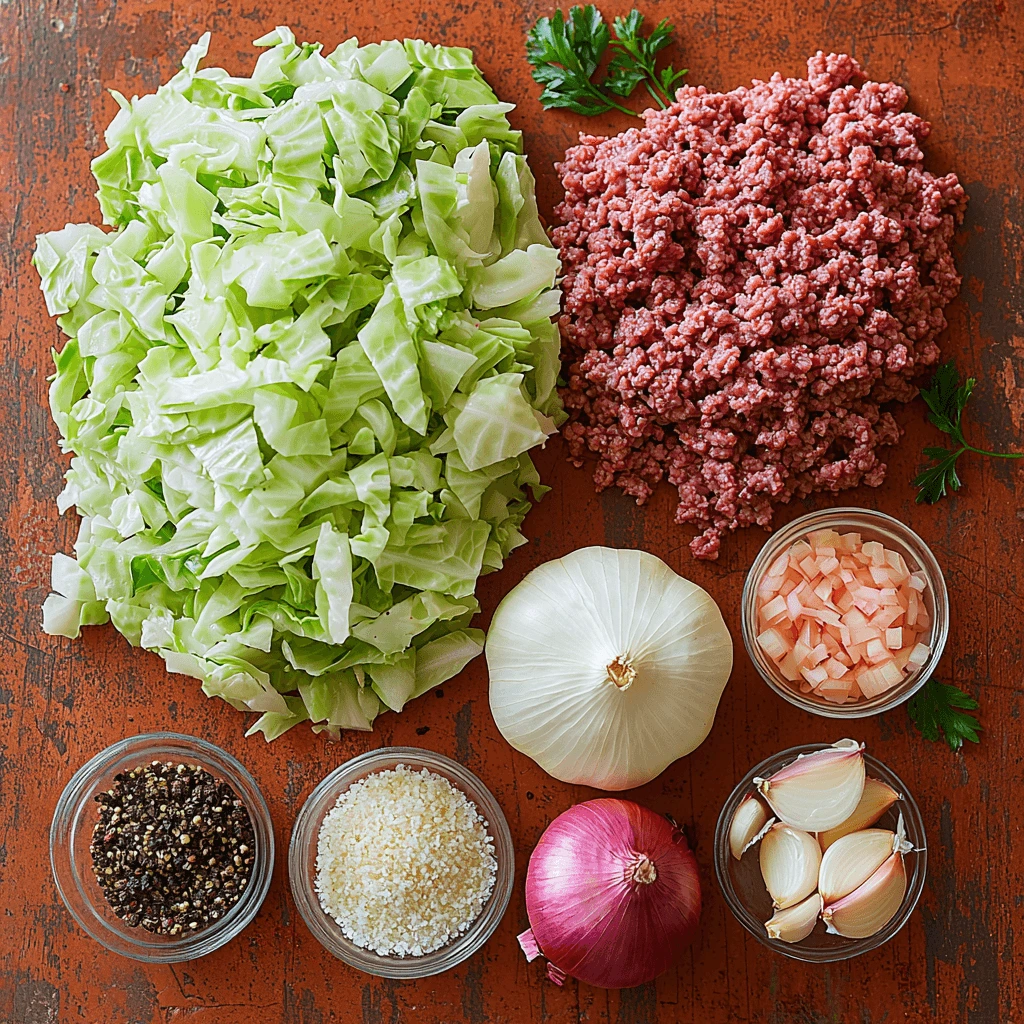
(858,566)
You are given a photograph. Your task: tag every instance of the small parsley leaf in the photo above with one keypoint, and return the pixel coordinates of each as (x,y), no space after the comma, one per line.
(940,478)
(669,79)
(634,50)
(622,78)
(946,399)
(565,54)
(940,708)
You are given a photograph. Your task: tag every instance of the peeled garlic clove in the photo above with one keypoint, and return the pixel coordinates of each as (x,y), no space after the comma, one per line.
(749,821)
(817,791)
(797,922)
(852,860)
(789,864)
(876,799)
(871,906)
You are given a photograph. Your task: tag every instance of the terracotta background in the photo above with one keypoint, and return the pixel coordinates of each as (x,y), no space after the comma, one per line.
(61,701)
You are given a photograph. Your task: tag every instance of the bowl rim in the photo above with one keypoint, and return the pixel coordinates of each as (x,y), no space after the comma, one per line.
(910,542)
(853,947)
(70,879)
(303,844)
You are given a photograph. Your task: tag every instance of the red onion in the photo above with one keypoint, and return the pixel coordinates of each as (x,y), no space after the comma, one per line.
(612,894)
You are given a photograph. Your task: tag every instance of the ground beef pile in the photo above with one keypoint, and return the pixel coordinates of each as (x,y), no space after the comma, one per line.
(748,278)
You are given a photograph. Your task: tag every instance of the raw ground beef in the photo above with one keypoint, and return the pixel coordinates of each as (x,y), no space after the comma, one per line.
(748,278)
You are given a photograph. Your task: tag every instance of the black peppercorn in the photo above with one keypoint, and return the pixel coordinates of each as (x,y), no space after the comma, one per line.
(168,837)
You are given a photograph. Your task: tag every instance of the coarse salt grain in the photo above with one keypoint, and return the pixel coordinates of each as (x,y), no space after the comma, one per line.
(404,862)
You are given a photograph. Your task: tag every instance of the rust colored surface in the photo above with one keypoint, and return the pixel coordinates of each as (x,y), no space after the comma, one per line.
(61,701)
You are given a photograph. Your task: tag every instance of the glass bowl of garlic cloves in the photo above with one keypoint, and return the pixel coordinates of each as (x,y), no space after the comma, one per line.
(820,852)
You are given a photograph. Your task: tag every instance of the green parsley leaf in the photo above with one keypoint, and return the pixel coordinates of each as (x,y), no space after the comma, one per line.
(669,79)
(934,482)
(938,707)
(946,399)
(623,77)
(639,54)
(566,53)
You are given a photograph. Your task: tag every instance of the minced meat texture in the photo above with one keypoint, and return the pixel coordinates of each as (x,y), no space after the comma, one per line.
(748,278)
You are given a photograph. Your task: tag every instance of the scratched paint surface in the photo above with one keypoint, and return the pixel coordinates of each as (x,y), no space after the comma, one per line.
(61,701)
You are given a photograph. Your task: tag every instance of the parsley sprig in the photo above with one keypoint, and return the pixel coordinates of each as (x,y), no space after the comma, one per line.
(940,707)
(636,57)
(566,52)
(946,399)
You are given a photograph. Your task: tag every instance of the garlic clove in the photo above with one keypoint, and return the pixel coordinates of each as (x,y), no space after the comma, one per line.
(817,791)
(748,824)
(872,905)
(852,860)
(876,799)
(797,922)
(789,864)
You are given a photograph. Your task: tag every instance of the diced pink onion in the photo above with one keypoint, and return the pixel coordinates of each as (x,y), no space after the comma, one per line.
(842,618)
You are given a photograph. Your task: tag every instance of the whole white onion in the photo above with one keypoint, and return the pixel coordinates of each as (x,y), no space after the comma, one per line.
(606,666)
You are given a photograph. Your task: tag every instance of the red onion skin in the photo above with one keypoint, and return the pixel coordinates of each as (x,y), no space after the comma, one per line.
(587,920)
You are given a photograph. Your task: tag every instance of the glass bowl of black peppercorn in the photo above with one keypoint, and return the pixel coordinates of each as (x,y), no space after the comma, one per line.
(162,847)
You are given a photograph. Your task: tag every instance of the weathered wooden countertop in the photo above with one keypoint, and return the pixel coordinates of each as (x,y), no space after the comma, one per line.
(61,701)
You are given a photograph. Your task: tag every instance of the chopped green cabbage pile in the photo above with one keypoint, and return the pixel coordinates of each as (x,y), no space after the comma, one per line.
(303,375)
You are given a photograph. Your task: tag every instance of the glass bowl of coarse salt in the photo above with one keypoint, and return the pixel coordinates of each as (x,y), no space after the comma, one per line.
(401,863)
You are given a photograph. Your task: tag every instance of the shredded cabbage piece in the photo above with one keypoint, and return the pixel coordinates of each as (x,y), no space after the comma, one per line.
(303,375)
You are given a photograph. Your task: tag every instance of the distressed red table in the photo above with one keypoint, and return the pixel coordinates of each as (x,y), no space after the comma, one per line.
(61,701)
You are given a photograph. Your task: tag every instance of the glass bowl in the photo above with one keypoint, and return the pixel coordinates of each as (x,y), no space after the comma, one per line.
(872,526)
(302,864)
(71,836)
(744,889)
